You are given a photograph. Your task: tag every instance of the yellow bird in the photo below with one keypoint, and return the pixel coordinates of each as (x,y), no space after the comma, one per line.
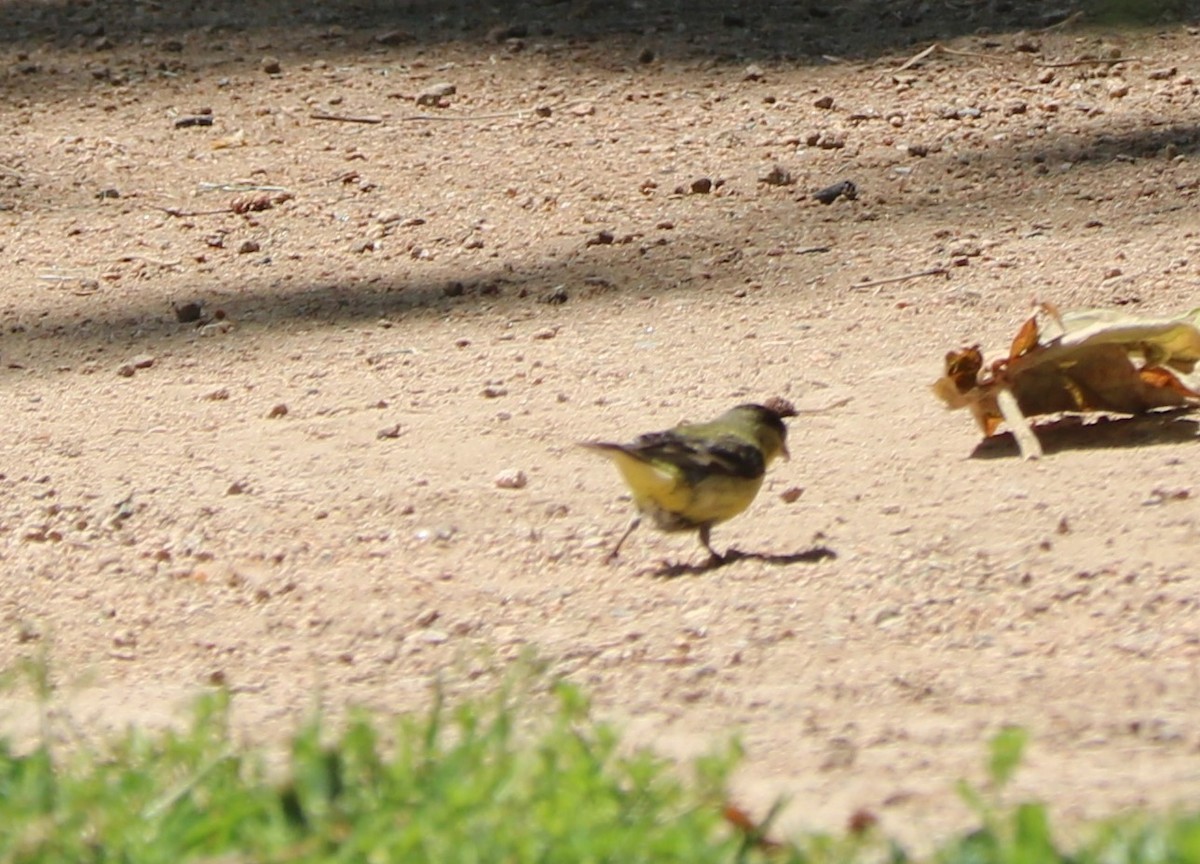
(696,475)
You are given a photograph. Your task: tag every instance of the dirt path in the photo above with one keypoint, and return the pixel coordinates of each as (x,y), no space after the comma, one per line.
(296,495)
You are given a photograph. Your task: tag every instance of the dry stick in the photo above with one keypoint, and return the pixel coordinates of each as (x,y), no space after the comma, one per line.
(938,48)
(346,118)
(1027,441)
(175,211)
(936,271)
(808,250)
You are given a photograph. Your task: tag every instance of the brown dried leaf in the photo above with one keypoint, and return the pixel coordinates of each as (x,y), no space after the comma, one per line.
(1026,339)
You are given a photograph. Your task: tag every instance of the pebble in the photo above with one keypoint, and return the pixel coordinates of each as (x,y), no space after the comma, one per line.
(388,432)
(546,333)
(271,66)
(556,296)
(778,176)
(141,361)
(276,411)
(511,478)
(753,72)
(435,95)
(792,494)
(702,186)
(189,312)
(824,103)
(1161,74)
(248,246)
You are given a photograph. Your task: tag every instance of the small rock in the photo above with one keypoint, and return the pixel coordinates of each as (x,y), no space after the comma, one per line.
(219,395)
(792,494)
(277,411)
(545,333)
(1046,76)
(189,312)
(602,238)
(701,186)
(193,120)
(1013,108)
(388,432)
(435,95)
(825,103)
(1162,74)
(826,140)
(511,478)
(248,246)
(454,289)
(1026,44)
(831,193)
(271,66)
(583,109)
(753,72)
(556,295)
(427,617)
(141,361)
(494,392)
(646,56)
(1117,89)
(107,193)
(778,176)
(237,487)
(918,150)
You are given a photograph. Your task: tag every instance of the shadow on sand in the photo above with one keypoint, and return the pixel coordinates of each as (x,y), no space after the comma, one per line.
(1105,433)
(675,569)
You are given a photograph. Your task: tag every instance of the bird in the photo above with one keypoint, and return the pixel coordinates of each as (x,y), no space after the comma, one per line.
(696,475)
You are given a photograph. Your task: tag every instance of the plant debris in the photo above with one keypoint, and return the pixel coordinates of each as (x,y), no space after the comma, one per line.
(1090,360)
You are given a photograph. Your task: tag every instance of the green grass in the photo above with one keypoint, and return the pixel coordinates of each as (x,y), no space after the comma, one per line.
(524,774)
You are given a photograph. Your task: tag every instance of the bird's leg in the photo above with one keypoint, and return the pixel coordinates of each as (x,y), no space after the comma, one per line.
(706,542)
(611,556)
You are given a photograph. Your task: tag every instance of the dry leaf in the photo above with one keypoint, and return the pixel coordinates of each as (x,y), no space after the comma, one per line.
(1100,360)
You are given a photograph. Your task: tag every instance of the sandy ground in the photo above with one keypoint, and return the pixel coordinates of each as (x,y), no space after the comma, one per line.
(296,494)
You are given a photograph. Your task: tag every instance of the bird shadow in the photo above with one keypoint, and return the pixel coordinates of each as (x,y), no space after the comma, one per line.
(675,569)
(1105,433)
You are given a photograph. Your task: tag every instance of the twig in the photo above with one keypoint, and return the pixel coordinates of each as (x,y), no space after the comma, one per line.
(1088,61)
(240,187)
(840,403)
(917,58)
(175,211)
(155,261)
(1027,441)
(809,250)
(938,48)
(936,271)
(499,115)
(346,118)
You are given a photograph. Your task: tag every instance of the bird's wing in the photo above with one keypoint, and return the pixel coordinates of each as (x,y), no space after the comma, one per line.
(700,456)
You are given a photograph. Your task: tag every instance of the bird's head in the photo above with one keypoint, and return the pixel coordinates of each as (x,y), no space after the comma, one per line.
(767,422)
